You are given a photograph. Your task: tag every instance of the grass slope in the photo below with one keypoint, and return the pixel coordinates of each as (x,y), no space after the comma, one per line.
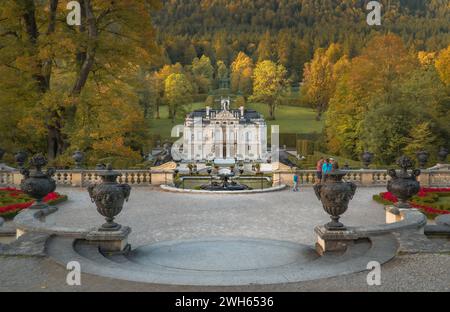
(291,119)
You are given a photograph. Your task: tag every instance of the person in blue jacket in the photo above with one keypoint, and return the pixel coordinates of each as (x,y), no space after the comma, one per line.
(296,181)
(327,167)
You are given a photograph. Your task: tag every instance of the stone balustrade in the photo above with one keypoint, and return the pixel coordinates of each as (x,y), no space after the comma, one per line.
(428,178)
(82,178)
(6,178)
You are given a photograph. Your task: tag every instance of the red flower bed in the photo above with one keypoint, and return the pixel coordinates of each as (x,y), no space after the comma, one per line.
(424,193)
(22,201)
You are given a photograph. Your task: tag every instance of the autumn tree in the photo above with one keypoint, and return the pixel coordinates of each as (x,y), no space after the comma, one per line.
(285,47)
(177,92)
(420,138)
(443,65)
(63,61)
(203,73)
(319,81)
(270,85)
(241,74)
(265,51)
(380,98)
(222,71)
(222,49)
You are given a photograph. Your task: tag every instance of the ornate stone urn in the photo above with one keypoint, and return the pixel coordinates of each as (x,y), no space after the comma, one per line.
(109,197)
(443,153)
(78,158)
(404,185)
(367,158)
(21,158)
(335,196)
(422,157)
(37,183)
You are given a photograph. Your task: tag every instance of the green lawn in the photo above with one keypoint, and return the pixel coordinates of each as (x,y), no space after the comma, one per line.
(290,119)
(164,126)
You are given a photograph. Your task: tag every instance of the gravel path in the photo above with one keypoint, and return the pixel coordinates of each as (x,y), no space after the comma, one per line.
(426,272)
(159,216)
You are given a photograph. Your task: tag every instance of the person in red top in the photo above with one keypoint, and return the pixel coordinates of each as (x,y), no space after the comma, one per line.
(319,170)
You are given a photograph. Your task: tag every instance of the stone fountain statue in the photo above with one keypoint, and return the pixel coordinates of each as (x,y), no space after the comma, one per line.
(226,184)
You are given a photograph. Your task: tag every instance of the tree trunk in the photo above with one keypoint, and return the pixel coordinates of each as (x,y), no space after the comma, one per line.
(29,18)
(272,111)
(89,58)
(55,138)
(30,21)
(173,114)
(158,116)
(320,111)
(54,134)
(47,64)
(319,116)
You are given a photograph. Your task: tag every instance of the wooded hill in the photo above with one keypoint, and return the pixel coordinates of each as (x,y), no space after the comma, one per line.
(289,31)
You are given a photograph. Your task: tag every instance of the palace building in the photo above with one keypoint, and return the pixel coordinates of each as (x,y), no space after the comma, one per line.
(225,135)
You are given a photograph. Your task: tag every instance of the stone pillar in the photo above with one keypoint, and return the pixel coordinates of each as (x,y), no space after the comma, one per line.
(163,174)
(17,178)
(276,179)
(425,179)
(287,178)
(77,179)
(366,178)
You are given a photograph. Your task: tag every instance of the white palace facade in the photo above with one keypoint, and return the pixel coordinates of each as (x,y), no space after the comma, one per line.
(225,135)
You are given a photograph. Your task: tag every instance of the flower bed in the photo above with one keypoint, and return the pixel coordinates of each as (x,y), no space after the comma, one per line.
(12,201)
(432,201)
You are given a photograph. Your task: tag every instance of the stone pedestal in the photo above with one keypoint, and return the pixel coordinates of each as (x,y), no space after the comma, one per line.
(111,242)
(334,241)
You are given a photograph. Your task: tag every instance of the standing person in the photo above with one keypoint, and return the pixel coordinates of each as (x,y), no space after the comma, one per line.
(326,168)
(296,179)
(334,164)
(319,171)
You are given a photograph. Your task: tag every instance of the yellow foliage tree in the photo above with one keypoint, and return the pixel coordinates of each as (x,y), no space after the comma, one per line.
(270,85)
(443,65)
(178,92)
(241,74)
